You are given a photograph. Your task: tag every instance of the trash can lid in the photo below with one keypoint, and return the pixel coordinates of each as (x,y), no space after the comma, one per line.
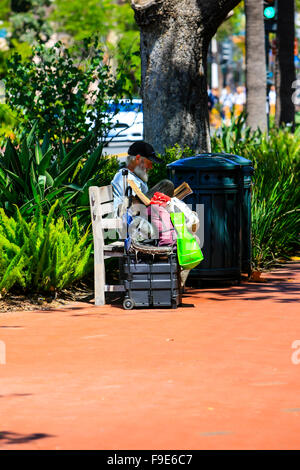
(235,158)
(205,162)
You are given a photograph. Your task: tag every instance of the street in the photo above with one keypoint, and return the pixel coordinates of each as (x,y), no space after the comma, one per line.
(219,372)
(117,148)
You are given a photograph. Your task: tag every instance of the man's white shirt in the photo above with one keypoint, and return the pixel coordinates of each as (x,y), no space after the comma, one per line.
(118,188)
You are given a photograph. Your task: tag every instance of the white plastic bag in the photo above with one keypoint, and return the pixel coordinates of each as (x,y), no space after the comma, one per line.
(191,217)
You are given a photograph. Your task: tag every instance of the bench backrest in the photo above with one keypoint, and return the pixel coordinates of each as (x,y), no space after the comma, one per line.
(102,213)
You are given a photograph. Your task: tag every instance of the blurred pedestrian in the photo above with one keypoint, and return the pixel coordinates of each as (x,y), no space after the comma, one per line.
(239,100)
(216,115)
(211,99)
(226,99)
(272,100)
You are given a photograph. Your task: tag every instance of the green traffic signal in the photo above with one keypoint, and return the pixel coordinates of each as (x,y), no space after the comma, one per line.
(269,13)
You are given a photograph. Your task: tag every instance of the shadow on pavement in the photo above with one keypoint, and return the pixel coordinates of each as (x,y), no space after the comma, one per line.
(275,290)
(11,327)
(7,437)
(16,395)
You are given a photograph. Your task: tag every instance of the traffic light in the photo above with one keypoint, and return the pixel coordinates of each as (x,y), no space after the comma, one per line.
(270,15)
(226,53)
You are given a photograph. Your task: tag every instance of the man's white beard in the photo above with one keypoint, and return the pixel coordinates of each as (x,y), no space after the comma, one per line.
(141,173)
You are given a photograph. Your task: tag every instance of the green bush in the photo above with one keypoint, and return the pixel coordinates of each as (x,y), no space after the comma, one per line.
(34,174)
(275,223)
(58,90)
(42,255)
(160,171)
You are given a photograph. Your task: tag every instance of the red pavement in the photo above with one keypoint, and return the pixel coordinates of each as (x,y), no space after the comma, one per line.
(216,373)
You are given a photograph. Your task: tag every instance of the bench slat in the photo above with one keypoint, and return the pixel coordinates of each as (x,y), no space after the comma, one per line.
(106,194)
(107,208)
(111,223)
(114,288)
(114,246)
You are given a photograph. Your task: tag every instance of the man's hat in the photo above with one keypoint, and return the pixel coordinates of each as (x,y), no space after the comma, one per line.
(145,150)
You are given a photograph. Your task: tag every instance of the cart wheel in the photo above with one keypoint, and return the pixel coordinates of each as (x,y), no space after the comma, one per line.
(128,304)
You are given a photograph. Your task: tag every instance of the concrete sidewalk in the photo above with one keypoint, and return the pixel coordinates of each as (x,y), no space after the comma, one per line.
(220,372)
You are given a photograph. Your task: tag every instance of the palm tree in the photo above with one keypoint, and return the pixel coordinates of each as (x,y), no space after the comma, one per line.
(285,67)
(255,65)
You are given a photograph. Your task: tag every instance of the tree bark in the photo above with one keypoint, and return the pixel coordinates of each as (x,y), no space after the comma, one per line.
(175,35)
(285,68)
(256,83)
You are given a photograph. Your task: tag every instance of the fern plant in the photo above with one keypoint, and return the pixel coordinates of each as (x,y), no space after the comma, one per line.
(42,255)
(32,175)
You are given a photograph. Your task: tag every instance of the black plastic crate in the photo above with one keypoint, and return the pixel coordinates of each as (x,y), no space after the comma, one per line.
(151,281)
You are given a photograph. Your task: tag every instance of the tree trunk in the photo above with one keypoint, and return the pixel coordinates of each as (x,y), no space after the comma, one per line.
(285,67)
(175,35)
(256,82)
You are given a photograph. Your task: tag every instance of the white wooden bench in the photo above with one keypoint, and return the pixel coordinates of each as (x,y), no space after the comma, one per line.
(104,224)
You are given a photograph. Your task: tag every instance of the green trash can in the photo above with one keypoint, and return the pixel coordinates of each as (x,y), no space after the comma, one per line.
(247,172)
(222,185)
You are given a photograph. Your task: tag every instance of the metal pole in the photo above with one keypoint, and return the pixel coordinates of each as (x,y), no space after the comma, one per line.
(214,64)
(267,48)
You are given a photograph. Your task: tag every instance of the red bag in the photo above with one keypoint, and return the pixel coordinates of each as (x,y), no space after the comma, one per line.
(160,199)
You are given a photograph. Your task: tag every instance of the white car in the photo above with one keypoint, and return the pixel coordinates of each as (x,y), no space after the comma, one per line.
(127,123)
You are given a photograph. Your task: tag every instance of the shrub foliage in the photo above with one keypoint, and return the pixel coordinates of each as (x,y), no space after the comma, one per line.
(66,95)
(42,255)
(34,174)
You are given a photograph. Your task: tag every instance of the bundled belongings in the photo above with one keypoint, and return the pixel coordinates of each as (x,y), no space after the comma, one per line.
(165,227)
(161,246)
(151,273)
(151,281)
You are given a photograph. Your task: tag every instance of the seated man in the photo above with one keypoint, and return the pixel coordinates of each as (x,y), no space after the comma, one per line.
(140,160)
(141,157)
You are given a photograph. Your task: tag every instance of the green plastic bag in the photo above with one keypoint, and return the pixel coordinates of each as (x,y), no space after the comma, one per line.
(188,251)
